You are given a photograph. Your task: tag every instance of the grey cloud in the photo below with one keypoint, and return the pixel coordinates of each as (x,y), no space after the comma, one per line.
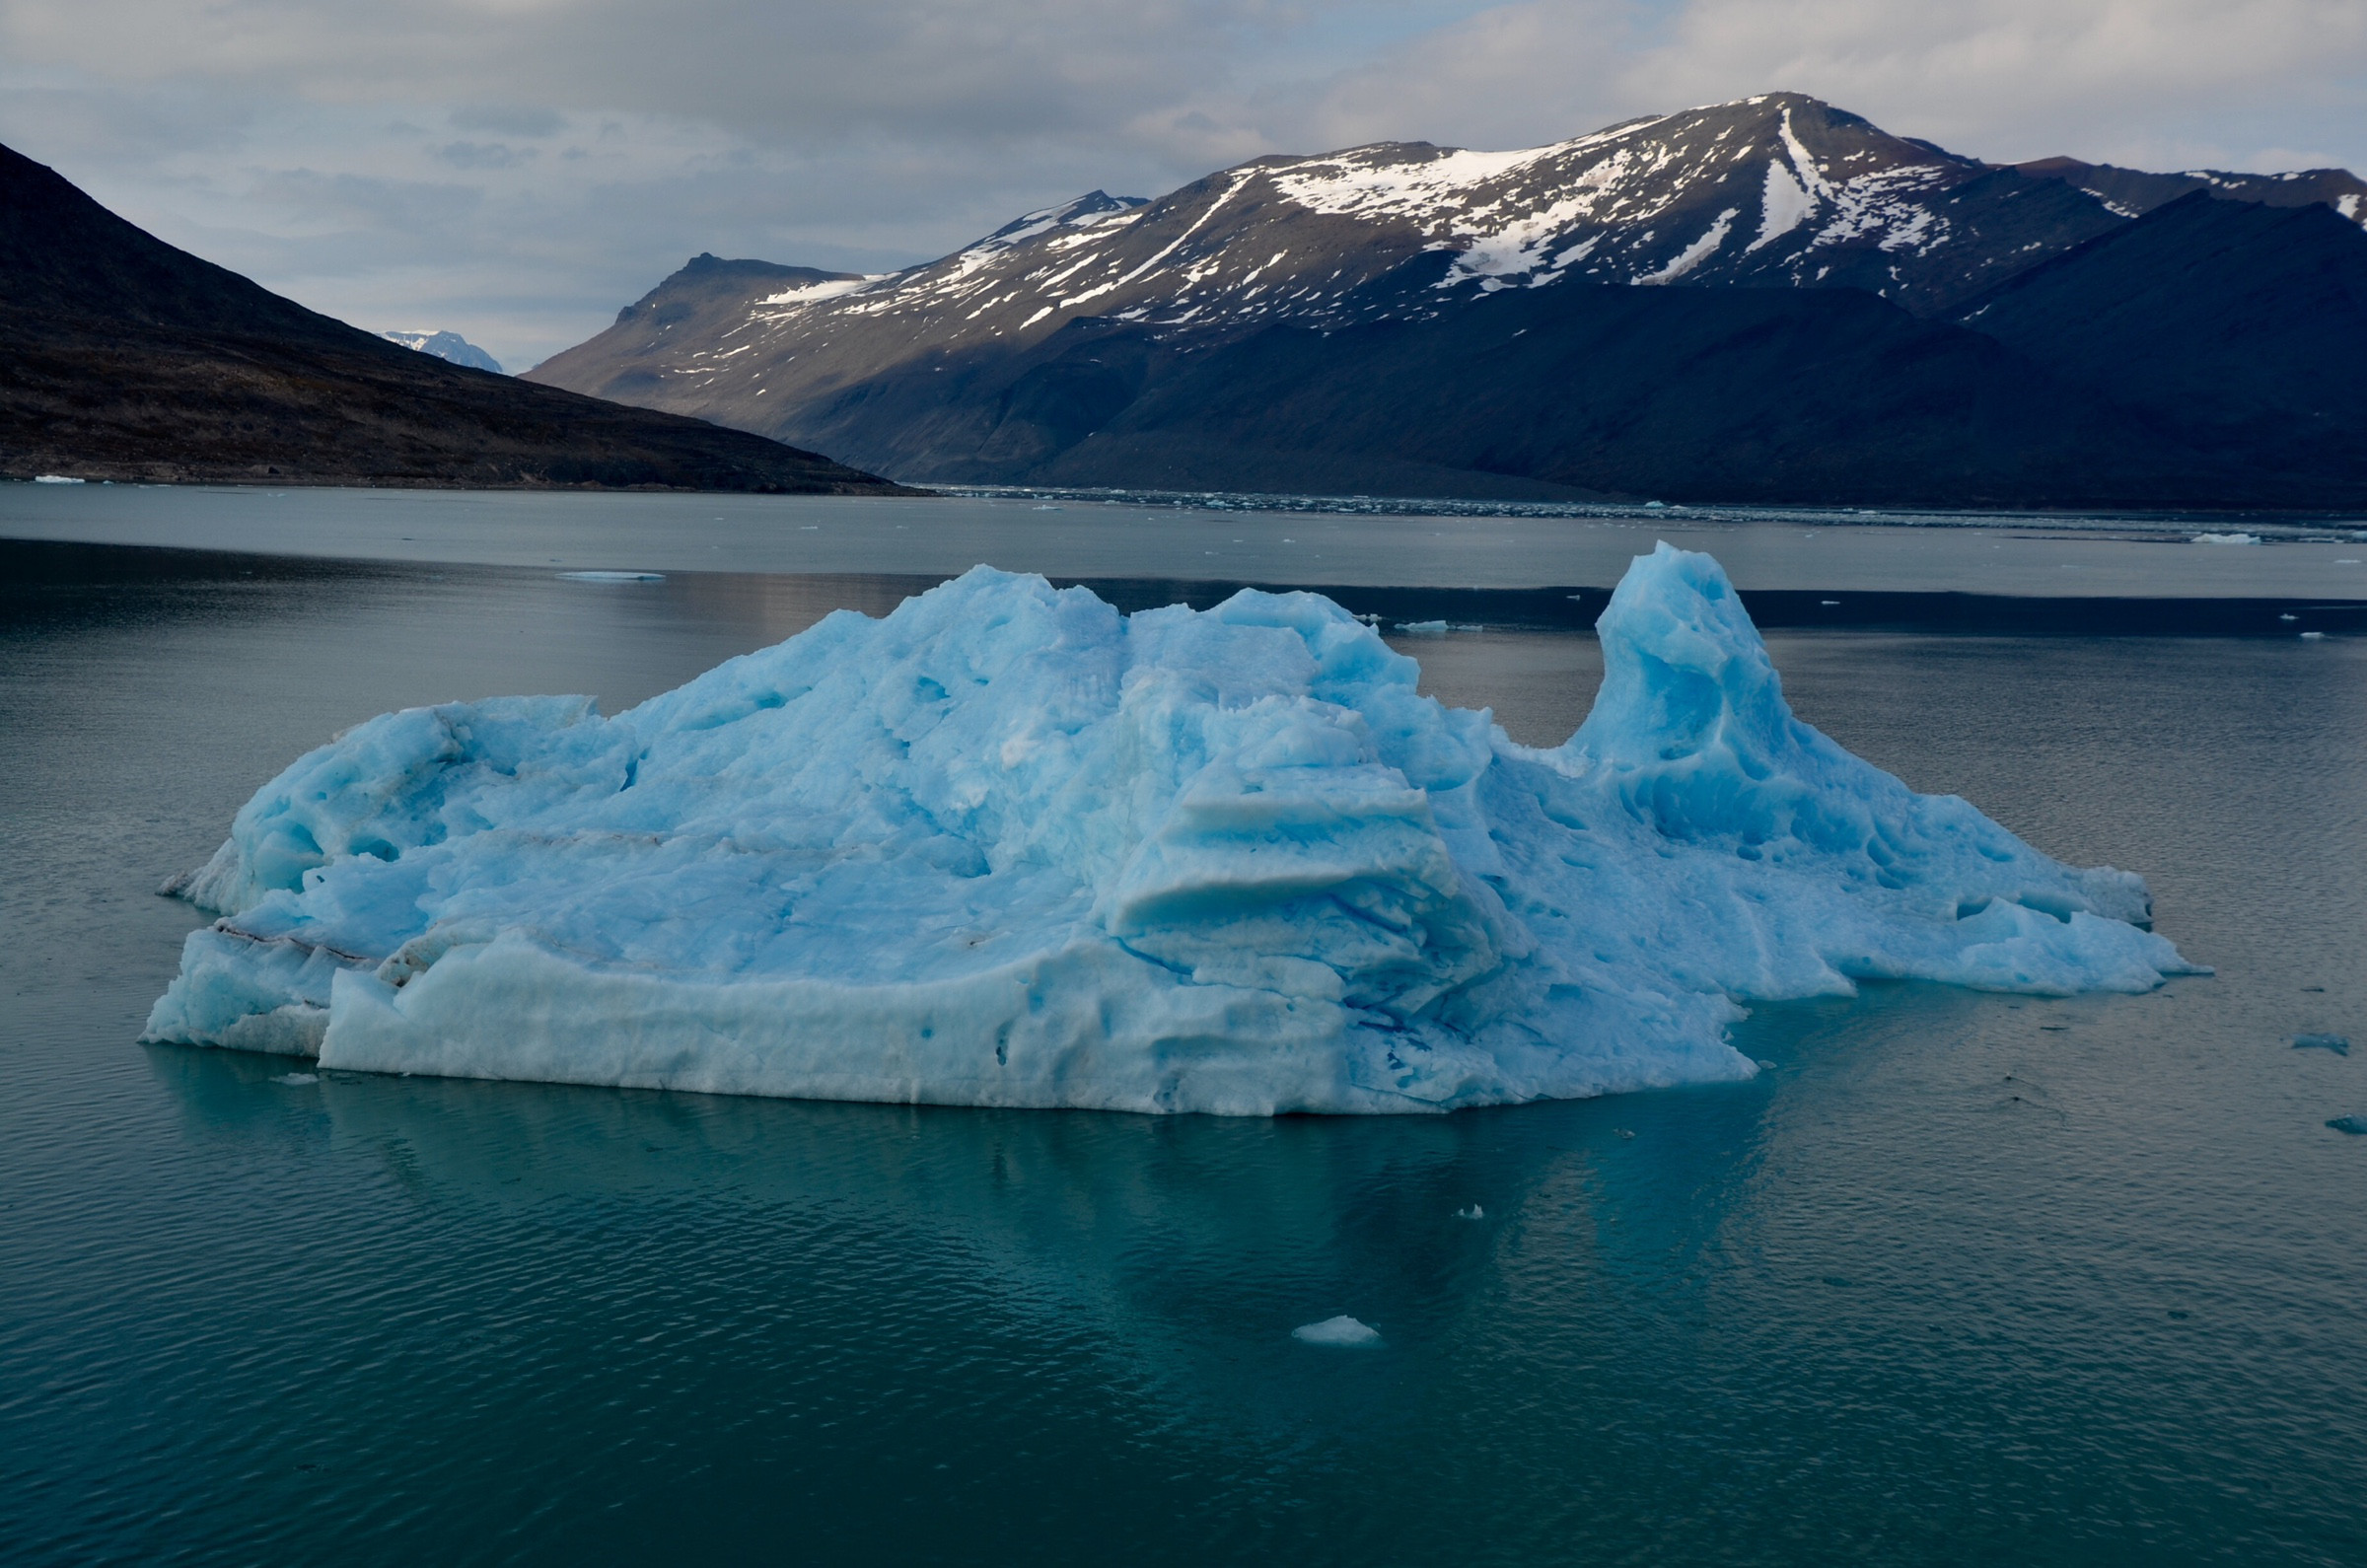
(812,68)
(483,155)
(96,123)
(508,121)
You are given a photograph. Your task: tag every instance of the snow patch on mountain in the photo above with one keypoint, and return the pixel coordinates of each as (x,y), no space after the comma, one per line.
(1784,205)
(1692,255)
(1360,184)
(830,289)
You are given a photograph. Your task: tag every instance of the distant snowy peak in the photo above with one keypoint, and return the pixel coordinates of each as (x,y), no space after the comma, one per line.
(448,345)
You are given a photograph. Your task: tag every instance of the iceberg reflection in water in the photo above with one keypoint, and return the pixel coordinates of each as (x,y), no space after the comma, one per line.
(1008,847)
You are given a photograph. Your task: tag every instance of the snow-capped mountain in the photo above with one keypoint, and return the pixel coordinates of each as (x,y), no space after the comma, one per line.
(448,347)
(1779,193)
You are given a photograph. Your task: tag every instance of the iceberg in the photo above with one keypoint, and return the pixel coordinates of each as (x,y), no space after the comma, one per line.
(1006,847)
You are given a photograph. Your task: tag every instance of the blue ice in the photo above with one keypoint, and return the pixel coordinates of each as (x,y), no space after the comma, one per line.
(1006,847)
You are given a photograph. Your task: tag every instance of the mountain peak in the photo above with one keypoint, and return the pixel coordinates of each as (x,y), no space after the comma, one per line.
(451,347)
(1093,207)
(707,277)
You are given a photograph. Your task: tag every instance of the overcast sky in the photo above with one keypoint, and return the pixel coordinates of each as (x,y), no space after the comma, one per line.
(517,170)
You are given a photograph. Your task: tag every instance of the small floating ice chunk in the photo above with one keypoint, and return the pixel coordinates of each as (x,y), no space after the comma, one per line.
(1474,1212)
(1422,628)
(2313,636)
(2339,1045)
(615,577)
(2356,1126)
(55,478)
(1343,1330)
(297,1078)
(2227,538)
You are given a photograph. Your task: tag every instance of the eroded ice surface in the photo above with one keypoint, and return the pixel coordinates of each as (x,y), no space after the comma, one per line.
(1008,847)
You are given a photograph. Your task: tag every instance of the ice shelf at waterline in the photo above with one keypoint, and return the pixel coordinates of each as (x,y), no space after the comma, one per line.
(1008,847)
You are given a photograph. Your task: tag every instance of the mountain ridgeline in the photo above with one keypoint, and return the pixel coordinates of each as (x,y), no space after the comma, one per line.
(125,358)
(1767,301)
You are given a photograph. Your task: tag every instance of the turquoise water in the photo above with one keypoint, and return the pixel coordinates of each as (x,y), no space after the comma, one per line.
(1964,1279)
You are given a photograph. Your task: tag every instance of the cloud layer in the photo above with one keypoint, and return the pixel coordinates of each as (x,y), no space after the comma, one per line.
(516,170)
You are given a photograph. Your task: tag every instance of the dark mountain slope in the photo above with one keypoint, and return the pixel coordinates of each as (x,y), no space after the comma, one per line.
(122,357)
(2241,327)
(1695,394)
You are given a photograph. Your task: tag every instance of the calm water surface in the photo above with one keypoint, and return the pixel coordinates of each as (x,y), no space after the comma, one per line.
(2066,555)
(1966,1279)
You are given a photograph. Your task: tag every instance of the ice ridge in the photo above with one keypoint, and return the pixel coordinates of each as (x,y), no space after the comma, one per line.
(1006,847)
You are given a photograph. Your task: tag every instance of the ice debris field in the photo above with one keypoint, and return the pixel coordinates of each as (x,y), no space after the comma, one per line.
(1006,847)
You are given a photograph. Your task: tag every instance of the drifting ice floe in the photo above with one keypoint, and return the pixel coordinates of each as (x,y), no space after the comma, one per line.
(1342,1331)
(1008,847)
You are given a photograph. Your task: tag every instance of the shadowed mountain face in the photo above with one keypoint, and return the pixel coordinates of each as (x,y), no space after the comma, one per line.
(1825,397)
(2239,326)
(1760,301)
(122,357)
